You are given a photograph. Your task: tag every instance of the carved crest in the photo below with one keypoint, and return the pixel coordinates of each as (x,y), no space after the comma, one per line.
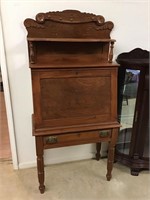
(68,24)
(137,57)
(69,16)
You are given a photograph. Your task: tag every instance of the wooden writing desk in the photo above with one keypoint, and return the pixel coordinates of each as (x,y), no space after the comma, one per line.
(74,83)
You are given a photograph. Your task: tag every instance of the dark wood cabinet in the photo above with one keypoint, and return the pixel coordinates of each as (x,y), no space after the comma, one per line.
(132,148)
(74,83)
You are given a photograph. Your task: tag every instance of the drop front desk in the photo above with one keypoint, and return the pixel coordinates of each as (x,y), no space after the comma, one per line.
(74,83)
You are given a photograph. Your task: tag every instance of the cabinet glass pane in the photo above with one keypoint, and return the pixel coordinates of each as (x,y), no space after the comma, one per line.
(128,93)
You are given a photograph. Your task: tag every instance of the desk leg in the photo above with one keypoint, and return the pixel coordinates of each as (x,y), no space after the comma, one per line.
(111,151)
(40,162)
(98,149)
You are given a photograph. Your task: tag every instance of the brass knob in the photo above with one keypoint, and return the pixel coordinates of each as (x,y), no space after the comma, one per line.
(104,133)
(51,139)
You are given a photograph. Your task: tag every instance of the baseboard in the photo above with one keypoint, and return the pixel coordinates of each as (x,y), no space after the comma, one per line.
(57,160)
(68,159)
(27,165)
(66,155)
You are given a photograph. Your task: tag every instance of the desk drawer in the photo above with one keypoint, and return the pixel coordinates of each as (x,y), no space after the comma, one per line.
(76,138)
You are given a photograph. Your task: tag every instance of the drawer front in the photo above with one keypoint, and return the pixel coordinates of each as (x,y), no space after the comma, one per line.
(76,138)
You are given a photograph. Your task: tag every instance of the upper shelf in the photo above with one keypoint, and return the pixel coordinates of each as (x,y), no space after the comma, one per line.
(70,39)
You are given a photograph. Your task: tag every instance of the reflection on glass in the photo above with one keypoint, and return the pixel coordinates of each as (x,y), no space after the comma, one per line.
(129,94)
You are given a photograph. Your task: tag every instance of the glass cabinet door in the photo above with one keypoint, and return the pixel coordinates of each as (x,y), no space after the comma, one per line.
(127,100)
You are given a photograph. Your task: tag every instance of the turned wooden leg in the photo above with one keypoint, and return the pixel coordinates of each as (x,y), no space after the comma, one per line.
(98,149)
(40,163)
(111,151)
(110,162)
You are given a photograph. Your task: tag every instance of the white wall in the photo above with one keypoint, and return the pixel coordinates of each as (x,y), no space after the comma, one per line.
(131,30)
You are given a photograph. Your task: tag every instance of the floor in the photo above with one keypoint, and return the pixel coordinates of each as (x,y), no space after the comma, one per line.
(82,180)
(5,152)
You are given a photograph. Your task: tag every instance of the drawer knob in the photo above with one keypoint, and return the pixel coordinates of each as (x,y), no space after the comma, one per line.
(104,133)
(51,139)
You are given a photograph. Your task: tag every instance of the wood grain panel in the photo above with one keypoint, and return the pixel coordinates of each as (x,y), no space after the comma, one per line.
(75,97)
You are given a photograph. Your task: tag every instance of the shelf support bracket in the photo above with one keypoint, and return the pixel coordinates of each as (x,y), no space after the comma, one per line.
(110,57)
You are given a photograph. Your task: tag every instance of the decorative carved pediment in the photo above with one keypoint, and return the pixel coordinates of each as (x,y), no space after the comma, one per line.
(67,24)
(69,16)
(136,57)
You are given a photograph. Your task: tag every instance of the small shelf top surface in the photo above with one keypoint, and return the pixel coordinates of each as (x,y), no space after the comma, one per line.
(70,39)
